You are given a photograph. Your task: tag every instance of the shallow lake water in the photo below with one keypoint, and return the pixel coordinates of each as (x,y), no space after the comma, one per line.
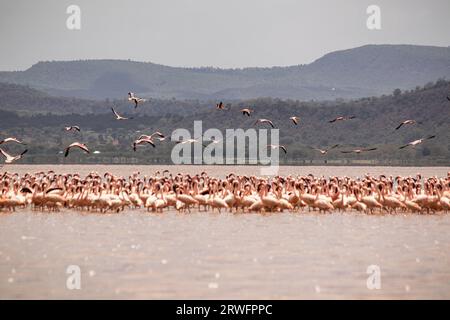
(143,255)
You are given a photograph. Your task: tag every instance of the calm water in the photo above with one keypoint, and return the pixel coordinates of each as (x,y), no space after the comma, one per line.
(204,255)
(221,171)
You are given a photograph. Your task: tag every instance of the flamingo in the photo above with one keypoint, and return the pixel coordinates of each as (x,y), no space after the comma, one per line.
(12,139)
(221,106)
(325,151)
(186,199)
(143,140)
(76,145)
(72,128)
(417,142)
(322,204)
(10,158)
(295,120)
(118,116)
(265,121)
(342,118)
(405,123)
(189,141)
(277,146)
(358,151)
(136,100)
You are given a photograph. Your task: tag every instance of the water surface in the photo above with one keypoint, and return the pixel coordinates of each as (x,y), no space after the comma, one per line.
(213,256)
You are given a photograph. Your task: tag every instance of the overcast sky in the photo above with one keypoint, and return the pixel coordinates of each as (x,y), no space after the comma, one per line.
(226,33)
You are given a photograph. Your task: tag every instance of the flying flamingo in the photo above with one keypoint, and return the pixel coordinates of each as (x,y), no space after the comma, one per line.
(118,116)
(325,151)
(221,106)
(136,100)
(11,139)
(275,146)
(246,112)
(359,150)
(342,118)
(416,142)
(76,145)
(161,137)
(405,122)
(189,141)
(142,141)
(72,128)
(295,120)
(265,121)
(10,158)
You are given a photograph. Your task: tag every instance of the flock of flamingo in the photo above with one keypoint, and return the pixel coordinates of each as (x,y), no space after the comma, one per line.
(109,193)
(235,193)
(150,140)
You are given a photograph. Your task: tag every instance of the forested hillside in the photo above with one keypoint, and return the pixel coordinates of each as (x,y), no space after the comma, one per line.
(374,126)
(370,70)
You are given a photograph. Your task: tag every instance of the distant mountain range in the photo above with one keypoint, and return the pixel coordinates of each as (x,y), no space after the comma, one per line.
(370,70)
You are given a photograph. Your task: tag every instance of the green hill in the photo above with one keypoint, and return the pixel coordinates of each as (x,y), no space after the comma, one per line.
(376,118)
(359,72)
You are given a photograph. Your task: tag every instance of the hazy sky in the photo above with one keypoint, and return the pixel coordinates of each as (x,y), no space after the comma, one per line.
(226,33)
